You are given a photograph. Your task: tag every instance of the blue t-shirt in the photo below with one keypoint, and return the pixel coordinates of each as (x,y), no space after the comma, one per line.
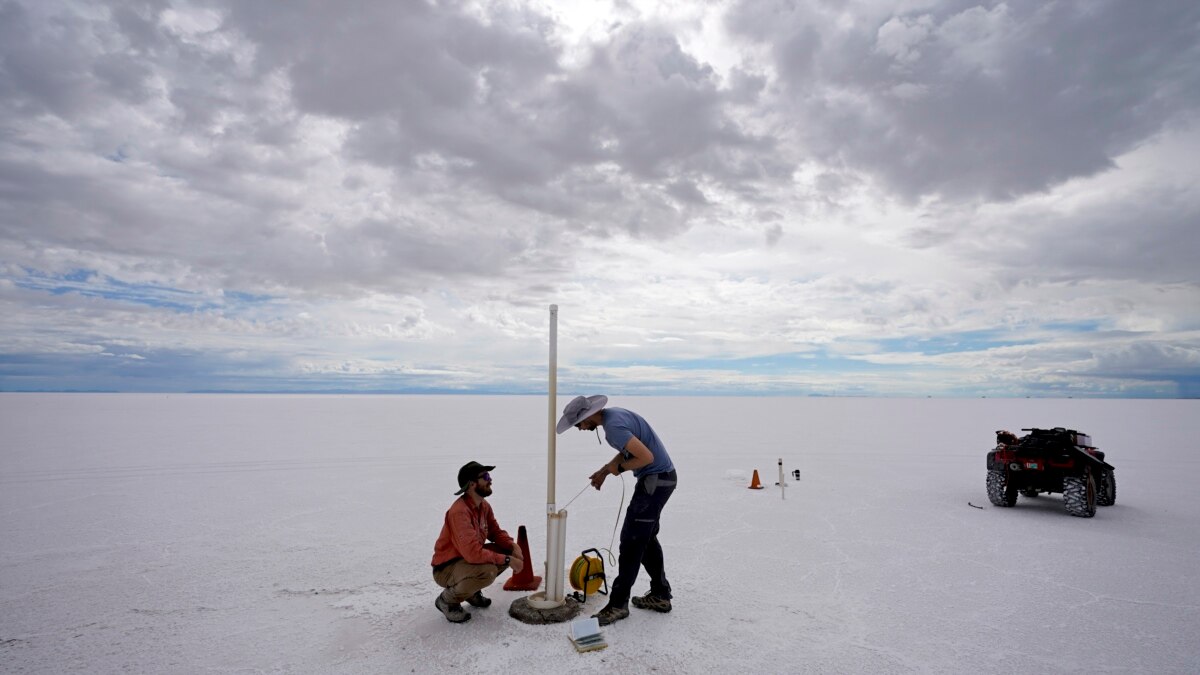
(620,425)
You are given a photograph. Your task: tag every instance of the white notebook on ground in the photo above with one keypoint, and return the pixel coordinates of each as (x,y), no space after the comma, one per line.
(585,634)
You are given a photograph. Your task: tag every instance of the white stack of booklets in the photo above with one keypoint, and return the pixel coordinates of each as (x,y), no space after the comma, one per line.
(585,635)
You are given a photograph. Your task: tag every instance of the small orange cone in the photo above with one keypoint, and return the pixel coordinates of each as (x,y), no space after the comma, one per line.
(754,484)
(523,580)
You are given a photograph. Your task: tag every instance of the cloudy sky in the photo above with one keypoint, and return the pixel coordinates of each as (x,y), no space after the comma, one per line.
(850,197)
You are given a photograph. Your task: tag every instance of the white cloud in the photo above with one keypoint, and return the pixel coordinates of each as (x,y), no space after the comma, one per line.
(901,38)
(728,196)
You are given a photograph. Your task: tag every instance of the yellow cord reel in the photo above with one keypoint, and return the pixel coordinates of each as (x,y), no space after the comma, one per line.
(587,573)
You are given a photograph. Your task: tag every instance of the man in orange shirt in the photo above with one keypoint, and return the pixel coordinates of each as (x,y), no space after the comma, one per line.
(464,562)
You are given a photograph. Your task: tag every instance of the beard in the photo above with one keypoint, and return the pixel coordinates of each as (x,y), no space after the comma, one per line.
(483,490)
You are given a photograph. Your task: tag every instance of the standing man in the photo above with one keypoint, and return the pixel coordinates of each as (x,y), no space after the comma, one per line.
(464,563)
(640,451)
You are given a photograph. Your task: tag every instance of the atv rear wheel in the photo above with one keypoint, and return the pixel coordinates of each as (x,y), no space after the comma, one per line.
(1001,491)
(1106,490)
(1079,495)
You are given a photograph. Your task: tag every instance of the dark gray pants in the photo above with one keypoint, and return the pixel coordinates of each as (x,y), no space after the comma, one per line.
(639,538)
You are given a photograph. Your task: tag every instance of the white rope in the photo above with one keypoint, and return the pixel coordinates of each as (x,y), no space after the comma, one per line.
(611,557)
(576,496)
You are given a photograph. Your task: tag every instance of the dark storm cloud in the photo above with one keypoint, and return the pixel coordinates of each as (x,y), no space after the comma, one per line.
(391,173)
(1154,239)
(991,100)
(221,161)
(434,88)
(42,71)
(469,108)
(68,63)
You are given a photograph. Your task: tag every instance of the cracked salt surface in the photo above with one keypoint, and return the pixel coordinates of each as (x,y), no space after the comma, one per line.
(293,534)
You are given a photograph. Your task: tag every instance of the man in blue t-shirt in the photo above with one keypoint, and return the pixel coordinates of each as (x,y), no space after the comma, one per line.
(641,451)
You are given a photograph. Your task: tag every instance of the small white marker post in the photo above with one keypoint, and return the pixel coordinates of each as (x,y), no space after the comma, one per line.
(782,481)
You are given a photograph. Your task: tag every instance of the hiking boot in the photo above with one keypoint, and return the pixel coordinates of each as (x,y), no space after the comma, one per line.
(652,602)
(453,610)
(478,600)
(611,614)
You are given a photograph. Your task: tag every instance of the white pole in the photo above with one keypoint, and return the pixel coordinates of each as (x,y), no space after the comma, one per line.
(556,523)
(552,405)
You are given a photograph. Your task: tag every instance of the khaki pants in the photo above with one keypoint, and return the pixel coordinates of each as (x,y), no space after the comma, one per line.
(462,579)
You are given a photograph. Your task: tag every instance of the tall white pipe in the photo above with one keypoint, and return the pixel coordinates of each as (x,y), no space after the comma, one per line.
(552,405)
(556,521)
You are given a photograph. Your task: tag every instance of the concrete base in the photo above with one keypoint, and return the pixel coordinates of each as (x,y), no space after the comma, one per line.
(522,610)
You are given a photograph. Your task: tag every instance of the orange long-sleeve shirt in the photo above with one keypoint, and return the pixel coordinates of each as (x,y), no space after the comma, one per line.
(466,529)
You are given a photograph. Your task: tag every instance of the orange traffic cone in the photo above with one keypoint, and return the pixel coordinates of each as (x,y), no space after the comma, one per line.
(754,484)
(523,580)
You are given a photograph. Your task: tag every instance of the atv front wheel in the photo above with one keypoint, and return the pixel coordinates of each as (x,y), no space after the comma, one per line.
(1079,495)
(1106,491)
(1000,490)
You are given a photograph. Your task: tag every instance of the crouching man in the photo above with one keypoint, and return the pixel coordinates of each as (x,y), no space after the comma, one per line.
(472,550)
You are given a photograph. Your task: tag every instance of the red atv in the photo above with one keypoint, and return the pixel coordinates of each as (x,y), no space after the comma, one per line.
(1050,460)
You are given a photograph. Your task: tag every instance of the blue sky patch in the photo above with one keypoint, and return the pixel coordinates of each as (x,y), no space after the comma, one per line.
(807,362)
(89,283)
(952,343)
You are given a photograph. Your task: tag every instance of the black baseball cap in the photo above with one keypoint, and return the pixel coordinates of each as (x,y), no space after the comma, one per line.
(469,472)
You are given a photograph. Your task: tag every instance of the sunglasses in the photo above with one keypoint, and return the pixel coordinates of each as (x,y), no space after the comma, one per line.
(484,476)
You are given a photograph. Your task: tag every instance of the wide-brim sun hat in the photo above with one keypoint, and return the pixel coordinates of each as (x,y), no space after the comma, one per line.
(579,409)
